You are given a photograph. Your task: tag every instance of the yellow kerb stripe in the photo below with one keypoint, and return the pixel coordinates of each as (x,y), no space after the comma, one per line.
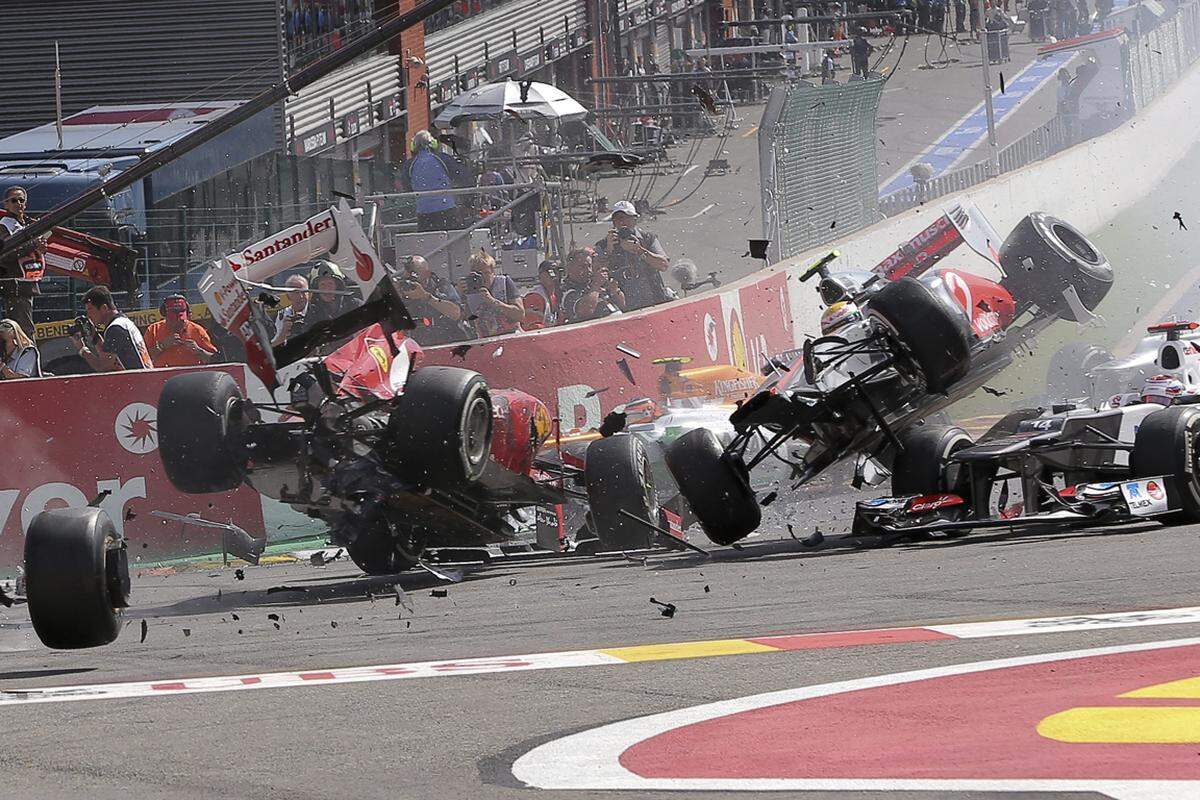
(1187,688)
(1128,725)
(664,652)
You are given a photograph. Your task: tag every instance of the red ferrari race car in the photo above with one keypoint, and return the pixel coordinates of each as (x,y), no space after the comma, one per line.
(395,457)
(897,345)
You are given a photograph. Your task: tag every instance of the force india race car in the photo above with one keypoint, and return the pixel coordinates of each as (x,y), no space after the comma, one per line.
(910,341)
(395,457)
(1132,457)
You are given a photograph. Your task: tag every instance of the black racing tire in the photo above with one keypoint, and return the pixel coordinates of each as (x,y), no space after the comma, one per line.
(618,478)
(379,552)
(716,487)
(1067,375)
(1043,255)
(201,436)
(1166,444)
(76,578)
(920,468)
(934,335)
(440,430)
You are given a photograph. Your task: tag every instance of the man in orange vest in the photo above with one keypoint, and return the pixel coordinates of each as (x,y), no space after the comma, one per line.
(176,341)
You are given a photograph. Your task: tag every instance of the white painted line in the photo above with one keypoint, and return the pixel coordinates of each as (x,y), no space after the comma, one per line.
(1018,627)
(327,676)
(591,759)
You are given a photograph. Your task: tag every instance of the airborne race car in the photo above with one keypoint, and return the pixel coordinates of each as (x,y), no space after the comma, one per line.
(395,457)
(1133,457)
(920,339)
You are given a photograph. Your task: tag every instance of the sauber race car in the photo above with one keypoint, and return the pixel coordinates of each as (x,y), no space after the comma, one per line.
(1133,457)
(897,345)
(395,457)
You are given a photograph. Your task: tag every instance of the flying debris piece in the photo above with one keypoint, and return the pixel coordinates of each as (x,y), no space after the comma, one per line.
(626,371)
(187,632)
(273,617)
(453,576)
(667,609)
(129,514)
(499,352)
(402,598)
(512,581)
(629,351)
(833,225)
(706,589)
(792,532)
(815,539)
(994,392)
(100,498)
(1179,218)
(460,351)
(236,618)
(145,630)
(614,422)
(758,248)
(706,99)
(770,498)
(332,624)
(240,574)
(597,392)
(1001,83)
(438,593)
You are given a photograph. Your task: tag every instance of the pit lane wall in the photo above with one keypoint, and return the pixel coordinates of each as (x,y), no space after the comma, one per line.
(580,372)
(69,439)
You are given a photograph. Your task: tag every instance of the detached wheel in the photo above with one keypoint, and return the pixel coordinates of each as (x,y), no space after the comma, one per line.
(717,489)
(440,430)
(76,578)
(934,335)
(618,478)
(1043,255)
(387,548)
(1067,376)
(1165,444)
(201,432)
(921,467)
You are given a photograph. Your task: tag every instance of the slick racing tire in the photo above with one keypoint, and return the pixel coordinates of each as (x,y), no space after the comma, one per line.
(440,430)
(716,487)
(934,335)
(1067,376)
(76,578)
(379,552)
(1166,444)
(201,432)
(920,468)
(1043,255)
(618,478)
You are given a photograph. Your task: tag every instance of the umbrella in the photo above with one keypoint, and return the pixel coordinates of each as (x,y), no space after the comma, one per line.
(493,100)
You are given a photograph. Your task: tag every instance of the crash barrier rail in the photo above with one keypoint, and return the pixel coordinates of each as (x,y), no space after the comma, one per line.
(1154,61)
(108,443)
(1159,57)
(817,151)
(1039,144)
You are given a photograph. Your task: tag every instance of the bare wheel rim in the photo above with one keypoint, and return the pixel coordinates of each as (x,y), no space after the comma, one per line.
(475,432)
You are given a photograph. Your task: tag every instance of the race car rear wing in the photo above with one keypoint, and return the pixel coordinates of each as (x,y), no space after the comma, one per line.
(962,223)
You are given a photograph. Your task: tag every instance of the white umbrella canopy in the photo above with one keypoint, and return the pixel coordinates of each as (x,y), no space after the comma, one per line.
(495,100)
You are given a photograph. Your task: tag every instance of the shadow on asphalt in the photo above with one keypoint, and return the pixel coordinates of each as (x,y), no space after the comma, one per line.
(42,673)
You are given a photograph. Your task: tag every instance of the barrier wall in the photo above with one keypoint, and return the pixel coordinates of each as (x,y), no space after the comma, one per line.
(68,439)
(579,368)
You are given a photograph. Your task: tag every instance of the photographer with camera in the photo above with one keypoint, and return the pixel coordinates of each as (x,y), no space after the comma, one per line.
(292,320)
(589,292)
(635,258)
(433,304)
(492,299)
(120,347)
(176,341)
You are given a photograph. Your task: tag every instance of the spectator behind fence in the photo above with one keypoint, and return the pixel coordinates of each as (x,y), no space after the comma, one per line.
(542,301)
(433,304)
(492,299)
(588,291)
(19,271)
(430,170)
(634,257)
(860,53)
(20,354)
(121,346)
(293,319)
(176,341)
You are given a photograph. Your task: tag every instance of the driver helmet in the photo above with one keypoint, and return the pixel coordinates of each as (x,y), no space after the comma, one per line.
(324,269)
(1162,390)
(838,316)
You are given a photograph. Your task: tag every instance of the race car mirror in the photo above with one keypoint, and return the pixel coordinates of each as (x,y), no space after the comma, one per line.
(869,472)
